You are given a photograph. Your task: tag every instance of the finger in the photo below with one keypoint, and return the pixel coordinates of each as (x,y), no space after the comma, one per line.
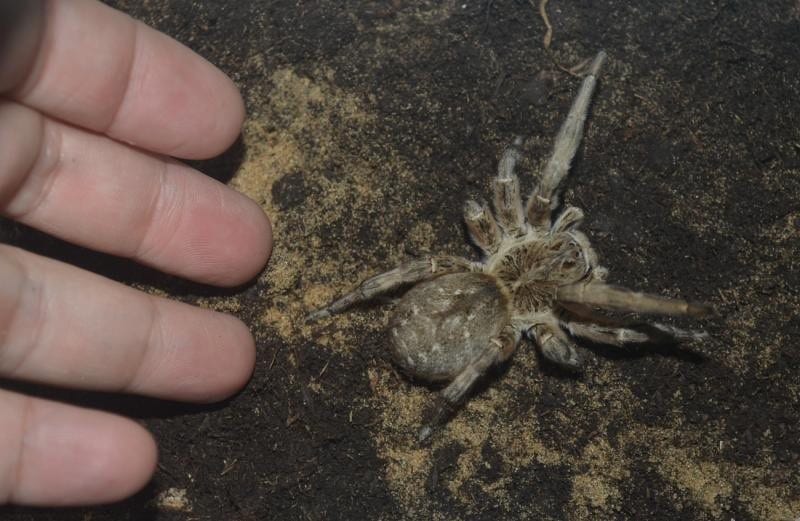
(96,192)
(57,455)
(65,326)
(97,68)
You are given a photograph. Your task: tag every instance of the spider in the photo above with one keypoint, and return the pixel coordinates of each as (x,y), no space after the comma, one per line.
(539,279)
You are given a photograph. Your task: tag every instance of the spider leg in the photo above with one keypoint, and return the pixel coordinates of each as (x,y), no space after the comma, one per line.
(507,199)
(410,272)
(635,334)
(482,227)
(544,198)
(556,347)
(569,219)
(498,350)
(615,336)
(587,252)
(553,343)
(586,322)
(614,297)
(582,313)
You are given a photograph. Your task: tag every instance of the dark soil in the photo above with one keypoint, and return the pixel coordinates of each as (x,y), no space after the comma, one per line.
(370,124)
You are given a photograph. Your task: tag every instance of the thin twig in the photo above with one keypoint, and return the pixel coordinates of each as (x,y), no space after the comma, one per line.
(274,356)
(324,368)
(548,38)
(574,71)
(548,35)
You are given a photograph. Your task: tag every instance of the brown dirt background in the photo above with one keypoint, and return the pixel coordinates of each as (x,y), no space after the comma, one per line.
(369,125)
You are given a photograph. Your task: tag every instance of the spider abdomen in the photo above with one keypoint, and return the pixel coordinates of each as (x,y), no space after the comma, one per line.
(441,326)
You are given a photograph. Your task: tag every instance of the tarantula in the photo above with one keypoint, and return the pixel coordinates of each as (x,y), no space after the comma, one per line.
(539,279)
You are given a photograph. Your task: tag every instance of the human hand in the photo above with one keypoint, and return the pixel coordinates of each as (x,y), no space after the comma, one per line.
(77,80)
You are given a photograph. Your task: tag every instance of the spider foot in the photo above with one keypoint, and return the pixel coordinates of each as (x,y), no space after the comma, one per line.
(443,412)
(317,315)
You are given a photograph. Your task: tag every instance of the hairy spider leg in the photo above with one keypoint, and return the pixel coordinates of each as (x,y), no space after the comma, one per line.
(614,297)
(407,273)
(555,346)
(498,350)
(507,199)
(635,334)
(585,322)
(544,198)
(482,227)
(569,219)
(486,228)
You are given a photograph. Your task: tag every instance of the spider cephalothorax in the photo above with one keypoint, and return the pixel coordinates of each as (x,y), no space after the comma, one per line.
(538,279)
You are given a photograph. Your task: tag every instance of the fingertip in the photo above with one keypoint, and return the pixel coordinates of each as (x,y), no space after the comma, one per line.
(205,231)
(232,107)
(92,66)
(137,470)
(213,132)
(224,363)
(223,125)
(201,355)
(257,247)
(178,103)
(242,242)
(239,359)
(73,456)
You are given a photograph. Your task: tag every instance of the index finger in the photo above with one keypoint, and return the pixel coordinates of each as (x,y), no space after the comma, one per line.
(90,65)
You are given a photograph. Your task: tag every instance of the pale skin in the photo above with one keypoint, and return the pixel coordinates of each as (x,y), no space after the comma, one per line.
(93,106)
